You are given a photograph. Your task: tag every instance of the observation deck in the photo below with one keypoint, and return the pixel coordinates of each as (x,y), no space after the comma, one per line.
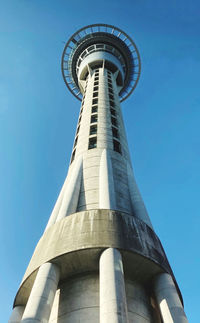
(100,45)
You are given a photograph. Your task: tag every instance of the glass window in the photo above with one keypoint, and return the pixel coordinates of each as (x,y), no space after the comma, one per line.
(113,112)
(77,131)
(112,105)
(96,83)
(94,101)
(94,118)
(111,97)
(114,121)
(116,146)
(115,132)
(73,155)
(92,143)
(75,141)
(93,130)
(94,109)
(95,94)
(95,88)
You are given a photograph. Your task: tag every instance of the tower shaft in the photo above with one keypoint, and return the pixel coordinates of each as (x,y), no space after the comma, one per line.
(99,259)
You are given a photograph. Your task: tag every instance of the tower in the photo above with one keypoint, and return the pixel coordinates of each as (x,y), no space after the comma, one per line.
(99,259)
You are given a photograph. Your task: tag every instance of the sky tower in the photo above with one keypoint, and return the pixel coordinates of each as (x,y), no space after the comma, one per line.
(99,259)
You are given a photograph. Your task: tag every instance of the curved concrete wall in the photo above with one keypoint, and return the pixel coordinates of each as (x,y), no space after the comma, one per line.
(90,232)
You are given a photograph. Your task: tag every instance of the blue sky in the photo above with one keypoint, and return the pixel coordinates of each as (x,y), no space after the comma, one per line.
(38,118)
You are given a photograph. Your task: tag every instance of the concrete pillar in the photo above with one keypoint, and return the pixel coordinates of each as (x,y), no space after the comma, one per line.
(168,300)
(38,307)
(106,183)
(71,190)
(56,208)
(113,307)
(139,209)
(16,315)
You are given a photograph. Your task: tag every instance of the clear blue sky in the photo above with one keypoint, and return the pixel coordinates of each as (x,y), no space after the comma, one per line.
(38,118)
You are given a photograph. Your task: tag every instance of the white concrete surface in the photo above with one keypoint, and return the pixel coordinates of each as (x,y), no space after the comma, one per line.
(106,183)
(168,300)
(71,190)
(113,306)
(16,314)
(38,307)
(57,206)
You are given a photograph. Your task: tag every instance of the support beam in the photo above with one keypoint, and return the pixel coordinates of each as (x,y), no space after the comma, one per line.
(16,315)
(38,307)
(113,307)
(168,300)
(106,183)
(72,189)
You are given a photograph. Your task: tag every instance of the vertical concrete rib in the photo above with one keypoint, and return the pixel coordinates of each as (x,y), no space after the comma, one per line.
(71,191)
(38,307)
(113,307)
(168,300)
(106,183)
(16,315)
(56,208)
(139,209)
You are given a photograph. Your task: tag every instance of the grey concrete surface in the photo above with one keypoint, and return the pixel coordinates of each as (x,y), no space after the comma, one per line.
(39,305)
(16,314)
(171,308)
(113,306)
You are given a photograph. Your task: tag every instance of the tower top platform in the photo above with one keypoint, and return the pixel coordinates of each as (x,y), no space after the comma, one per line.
(99,44)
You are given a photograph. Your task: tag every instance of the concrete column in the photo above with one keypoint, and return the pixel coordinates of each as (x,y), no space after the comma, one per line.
(56,208)
(168,300)
(113,307)
(139,209)
(16,315)
(71,190)
(106,183)
(38,307)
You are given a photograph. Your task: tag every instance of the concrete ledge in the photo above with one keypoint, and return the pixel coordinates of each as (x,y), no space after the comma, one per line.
(76,242)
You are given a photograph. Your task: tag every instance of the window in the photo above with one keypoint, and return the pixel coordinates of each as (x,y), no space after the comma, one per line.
(79,120)
(94,109)
(93,130)
(77,131)
(112,105)
(92,143)
(73,155)
(96,78)
(115,132)
(95,88)
(94,101)
(113,112)
(110,92)
(95,94)
(111,97)
(94,118)
(114,121)
(75,141)
(96,83)
(116,146)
